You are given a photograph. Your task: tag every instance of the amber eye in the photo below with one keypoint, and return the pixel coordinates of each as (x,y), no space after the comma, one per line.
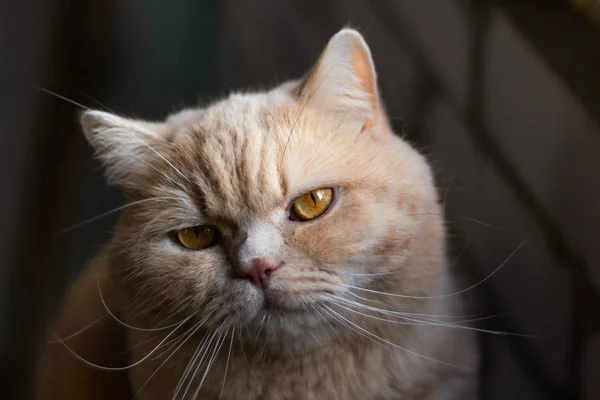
(198,237)
(312,204)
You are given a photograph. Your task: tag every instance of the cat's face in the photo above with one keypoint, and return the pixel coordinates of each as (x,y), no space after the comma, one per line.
(245,171)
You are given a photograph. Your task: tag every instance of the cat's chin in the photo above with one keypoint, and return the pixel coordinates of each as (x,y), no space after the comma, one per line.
(294,330)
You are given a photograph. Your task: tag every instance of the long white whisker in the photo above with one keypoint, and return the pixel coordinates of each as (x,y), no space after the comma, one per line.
(480,222)
(154,167)
(364,298)
(72,335)
(429,321)
(210,363)
(413,321)
(318,309)
(405,316)
(136,138)
(424,315)
(180,337)
(446,191)
(170,344)
(443,295)
(401,313)
(61,97)
(395,345)
(126,324)
(164,159)
(203,348)
(114,210)
(245,358)
(227,365)
(339,304)
(103,368)
(193,330)
(487,225)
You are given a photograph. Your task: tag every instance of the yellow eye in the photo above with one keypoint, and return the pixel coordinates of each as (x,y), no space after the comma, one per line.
(198,237)
(312,204)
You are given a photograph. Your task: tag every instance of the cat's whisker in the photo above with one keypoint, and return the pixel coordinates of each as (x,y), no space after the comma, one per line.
(261,326)
(154,167)
(128,325)
(339,304)
(210,363)
(446,191)
(470,219)
(427,320)
(462,251)
(227,364)
(394,344)
(443,295)
(392,312)
(318,310)
(244,356)
(107,213)
(78,332)
(335,316)
(98,102)
(480,222)
(201,349)
(413,321)
(147,338)
(262,351)
(402,312)
(364,298)
(173,342)
(51,93)
(104,368)
(378,273)
(193,330)
(163,158)
(68,100)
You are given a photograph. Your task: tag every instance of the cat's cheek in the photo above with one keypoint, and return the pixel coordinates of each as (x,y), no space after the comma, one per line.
(329,239)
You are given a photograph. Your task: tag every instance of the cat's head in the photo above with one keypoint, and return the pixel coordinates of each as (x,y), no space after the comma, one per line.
(263,208)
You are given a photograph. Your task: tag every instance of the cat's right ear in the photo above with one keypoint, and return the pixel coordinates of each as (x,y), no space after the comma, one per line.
(122,145)
(343,81)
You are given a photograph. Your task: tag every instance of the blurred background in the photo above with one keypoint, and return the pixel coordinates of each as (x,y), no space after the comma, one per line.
(502,96)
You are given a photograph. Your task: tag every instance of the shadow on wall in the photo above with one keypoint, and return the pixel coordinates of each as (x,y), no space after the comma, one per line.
(136,58)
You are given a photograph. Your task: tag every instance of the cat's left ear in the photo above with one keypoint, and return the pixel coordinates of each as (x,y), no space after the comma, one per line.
(344,81)
(124,146)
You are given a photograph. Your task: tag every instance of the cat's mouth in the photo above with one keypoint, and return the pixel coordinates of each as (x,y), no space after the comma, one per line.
(276,303)
(272,302)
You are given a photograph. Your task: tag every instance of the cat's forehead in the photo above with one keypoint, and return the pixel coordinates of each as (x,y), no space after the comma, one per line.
(250,154)
(233,156)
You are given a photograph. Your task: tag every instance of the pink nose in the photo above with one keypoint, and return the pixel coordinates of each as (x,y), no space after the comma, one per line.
(259,270)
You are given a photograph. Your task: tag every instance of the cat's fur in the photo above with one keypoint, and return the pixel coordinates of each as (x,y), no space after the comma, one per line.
(237,164)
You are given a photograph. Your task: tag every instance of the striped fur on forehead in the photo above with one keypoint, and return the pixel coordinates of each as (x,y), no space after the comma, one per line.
(249,154)
(231,157)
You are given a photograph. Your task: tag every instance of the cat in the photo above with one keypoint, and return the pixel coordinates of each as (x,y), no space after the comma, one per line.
(275,245)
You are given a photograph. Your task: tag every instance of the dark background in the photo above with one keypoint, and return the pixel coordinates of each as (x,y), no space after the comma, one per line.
(503,97)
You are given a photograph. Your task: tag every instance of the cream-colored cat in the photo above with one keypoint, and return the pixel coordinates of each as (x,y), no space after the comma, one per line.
(276,245)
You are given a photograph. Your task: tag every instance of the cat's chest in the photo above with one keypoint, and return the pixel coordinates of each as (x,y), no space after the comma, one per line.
(331,373)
